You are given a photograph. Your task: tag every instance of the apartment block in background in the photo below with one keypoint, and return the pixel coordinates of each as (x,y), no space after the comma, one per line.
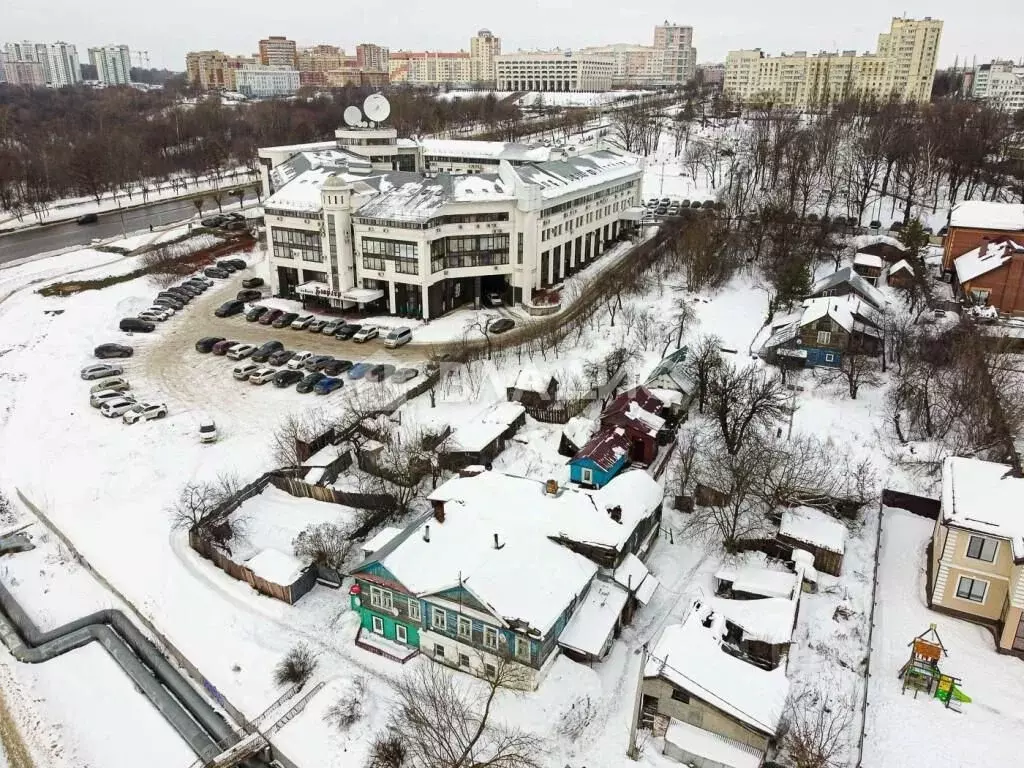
(59,61)
(278,51)
(639,65)
(113,64)
(430,67)
(483,48)
(264,82)
(372,57)
(903,67)
(554,71)
(320,58)
(28,74)
(675,42)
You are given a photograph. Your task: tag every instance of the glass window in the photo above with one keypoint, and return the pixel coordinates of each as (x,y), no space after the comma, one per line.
(380,598)
(980,548)
(465,627)
(490,637)
(439,618)
(971,589)
(414,609)
(522,648)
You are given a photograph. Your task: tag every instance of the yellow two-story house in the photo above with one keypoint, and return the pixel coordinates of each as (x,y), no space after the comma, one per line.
(976,570)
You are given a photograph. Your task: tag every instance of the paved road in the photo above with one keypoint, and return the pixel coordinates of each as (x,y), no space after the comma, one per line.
(29,242)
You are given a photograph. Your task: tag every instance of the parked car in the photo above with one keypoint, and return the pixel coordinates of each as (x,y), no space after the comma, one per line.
(252,282)
(501,325)
(249,294)
(302,323)
(284,320)
(661,210)
(203,282)
(397,337)
(380,372)
(366,333)
(337,367)
(493,299)
(168,302)
(268,348)
(241,351)
(327,385)
(309,381)
(331,327)
(222,346)
(317,362)
(117,407)
(107,351)
(255,313)
(97,399)
(87,218)
(281,357)
(213,221)
(896,226)
(287,377)
(665,201)
(152,316)
(178,293)
(227,265)
(263,375)
(876,224)
(134,325)
(347,331)
(316,326)
(208,431)
(403,375)
(191,290)
(271,316)
(166,312)
(205,344)
(236,263)
(673,210)
(299,359)
(216,272)
(115,383)
(245,370)
(359,370)
(145,412)
(229,308)
(101,371)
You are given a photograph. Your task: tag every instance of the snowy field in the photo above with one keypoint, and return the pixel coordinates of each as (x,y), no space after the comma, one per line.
(902,730)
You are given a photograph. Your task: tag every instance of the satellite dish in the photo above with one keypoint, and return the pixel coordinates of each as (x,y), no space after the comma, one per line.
(352,116)
(377,107)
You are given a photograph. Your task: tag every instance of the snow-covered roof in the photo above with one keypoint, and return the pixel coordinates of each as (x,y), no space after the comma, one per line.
(483,428)
(594,620)
(410,198)
(324,456)
(856,282)
(812,526)
(298,181)
(901,266)
(984,259)
(605,448)
(560,177)
(756,580)
(668,396)
(770,620)
(690,656)
(713,748)
(532,380)
(631,572)
(530,577)
(847,311)
(983,496)
(647,589)
(486,150)
(579,429)
(979,214)
(276,566)
(867,260)
(380,539)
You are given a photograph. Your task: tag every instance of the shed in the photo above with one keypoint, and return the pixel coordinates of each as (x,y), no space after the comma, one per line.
(597,462)
(575,434)
(379,540)
(754,582)
(695,746)
(867,265)
(761,629)
(589,634)
(532,388)
(900,274)
(812,530)
(478,439)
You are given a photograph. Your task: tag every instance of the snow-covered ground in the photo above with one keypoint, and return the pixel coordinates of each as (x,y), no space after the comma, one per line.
(902,730)
(550,98)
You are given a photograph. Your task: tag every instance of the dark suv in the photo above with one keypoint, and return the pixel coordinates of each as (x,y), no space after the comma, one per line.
(229,308)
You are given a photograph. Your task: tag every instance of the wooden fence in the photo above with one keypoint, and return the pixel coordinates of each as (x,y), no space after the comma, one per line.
(918,505)
(557,412)
(289,593)
(302,489)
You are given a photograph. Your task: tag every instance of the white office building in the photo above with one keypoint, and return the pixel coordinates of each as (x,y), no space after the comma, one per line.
(1000,82)
(346,230)
(265,82)
(59,60)
(113,64)
(554,71)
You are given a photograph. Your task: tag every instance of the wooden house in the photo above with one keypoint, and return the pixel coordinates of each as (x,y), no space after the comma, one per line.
(532,388)
(670,383)
(825,330)
(974,222)
(868,266)
(899,275)
(816,532)
(636,413)
(890,251)
(575,434)
(478,439)
(992,275)
(761,630)
(597,462)
(845,282)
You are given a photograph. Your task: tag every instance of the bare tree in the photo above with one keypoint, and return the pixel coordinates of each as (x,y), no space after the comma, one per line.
(744,399)
(296,428)
(701,364)
(817,731)
(325,544)
(858,367)
(447,721)
(296,667)
(199,503)
(731,509)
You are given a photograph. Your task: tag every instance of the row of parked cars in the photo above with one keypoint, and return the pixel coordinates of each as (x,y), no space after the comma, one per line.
(338,328)
(308,371)
(111,394)
(174,299)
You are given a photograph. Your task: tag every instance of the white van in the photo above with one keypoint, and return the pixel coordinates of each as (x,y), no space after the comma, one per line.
(398,337)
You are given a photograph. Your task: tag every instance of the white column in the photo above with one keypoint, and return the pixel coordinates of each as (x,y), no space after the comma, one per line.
(391,295)
(425,298)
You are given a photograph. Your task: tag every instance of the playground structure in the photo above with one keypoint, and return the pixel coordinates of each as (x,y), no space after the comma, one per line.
(922,674)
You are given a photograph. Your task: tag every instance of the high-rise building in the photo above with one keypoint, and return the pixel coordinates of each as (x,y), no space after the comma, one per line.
(278,51)
(1001,83)
(678,54)
(903,67)
(483,47)
(113,64)
(59,60)
(260,81)
(214,70)
(554,71)
(372,57)
(641,65)
(430,67)
(320,58)
(25,73)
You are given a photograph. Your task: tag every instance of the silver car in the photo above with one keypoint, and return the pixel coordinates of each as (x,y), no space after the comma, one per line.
(97,399)
(117,407)
(114,384)
(101,371)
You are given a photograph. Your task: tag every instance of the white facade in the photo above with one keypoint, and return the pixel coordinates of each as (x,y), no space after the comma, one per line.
(554,71)
(59,60)
(349,233)
(679,57)
(1001,82)
(113,64)
(266,82)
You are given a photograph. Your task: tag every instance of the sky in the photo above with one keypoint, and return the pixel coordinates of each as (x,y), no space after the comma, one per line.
(235,28)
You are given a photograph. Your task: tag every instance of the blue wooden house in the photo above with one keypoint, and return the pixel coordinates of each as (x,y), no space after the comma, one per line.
(597,462)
